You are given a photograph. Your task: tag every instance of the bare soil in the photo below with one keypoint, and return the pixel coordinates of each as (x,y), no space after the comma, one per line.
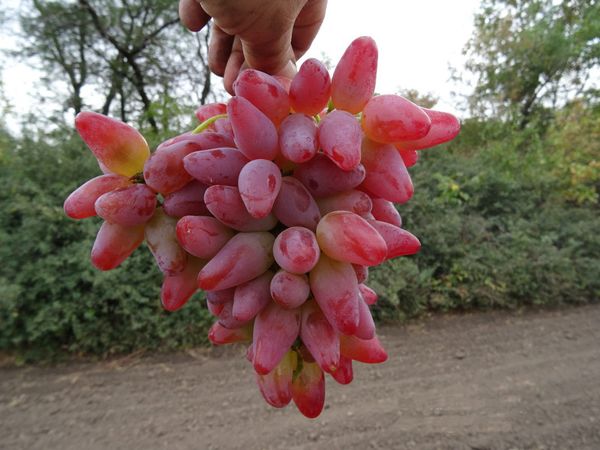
(477,381)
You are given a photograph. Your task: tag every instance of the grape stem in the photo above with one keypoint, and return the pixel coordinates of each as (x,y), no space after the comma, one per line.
(208,122)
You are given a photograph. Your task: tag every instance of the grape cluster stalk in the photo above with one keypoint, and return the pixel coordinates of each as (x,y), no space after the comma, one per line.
(276,206)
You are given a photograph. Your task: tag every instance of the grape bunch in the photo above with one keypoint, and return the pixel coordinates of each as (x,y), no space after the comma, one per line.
(276,206)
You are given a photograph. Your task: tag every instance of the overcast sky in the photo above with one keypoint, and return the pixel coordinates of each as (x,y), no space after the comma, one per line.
(417,41)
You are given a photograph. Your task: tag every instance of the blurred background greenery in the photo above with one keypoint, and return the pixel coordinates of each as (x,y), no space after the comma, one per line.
(508,213)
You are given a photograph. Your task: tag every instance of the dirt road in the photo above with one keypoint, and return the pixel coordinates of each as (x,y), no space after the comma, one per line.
(480,381)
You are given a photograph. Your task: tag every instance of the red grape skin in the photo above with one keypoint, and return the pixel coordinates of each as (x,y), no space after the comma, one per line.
(444,128)
(387,176)
(276,386)
(353,81)
(202,236)
(216,166)
(319,337)
(323,178)
(296,250)
(298,138)
(114,243)
(353,200)
(80,204)
(219,335)
(340,138)
(295,206)
(335,289)
(366,325)
(118,146)
(365,351)
(347,237)
(275,330)
(399,242)
(128,206)
(392,118)
(308,390)
(162,242)
(225,203)
(254,133)
(259,184)
(179,287)
(244,257)
(311,88)
(264,92)
(251,297)
(385,211)
(289,290)
(187,201)
(209,110)
(344,373)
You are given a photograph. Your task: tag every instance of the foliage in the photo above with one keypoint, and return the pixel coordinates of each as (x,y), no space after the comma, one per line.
(52,300)
(532,54)
(499,222)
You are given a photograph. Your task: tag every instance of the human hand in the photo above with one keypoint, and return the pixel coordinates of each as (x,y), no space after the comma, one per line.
(267,35)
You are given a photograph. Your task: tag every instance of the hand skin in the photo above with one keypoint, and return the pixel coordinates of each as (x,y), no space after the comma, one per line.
(267,35)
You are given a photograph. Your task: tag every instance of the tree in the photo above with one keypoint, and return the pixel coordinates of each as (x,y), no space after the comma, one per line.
(530,54)
(132,60)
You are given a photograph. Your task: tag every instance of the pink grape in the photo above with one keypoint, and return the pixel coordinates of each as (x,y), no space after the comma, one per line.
(335,289)
(353,200)
(179,287)
(296,250)
(323,178)
(410,157)
(204,140)
(308,390)
(347,237)
(444,128)
(225,203)
(385,211)
(387,176)
(295,206)
(319,337)
(216,309)
(259,184)
(114,243)
(366,325)
(216,166)
(162,242)
(209,110)
(392,118)
(254,133)
(165,172)
(264,92)
(275,330)
(202,236)
(128,206)
(353,81)
(368,294)
(344,373)
(189,200)
(289,290)
(311,88)
(227,319)
(244,257)
(220,296)
(276,386)
(365,351)
(118,146)
(223,126)
(219,335)
(251,297)
(399,242)
(340,138)
(362,272)
(80,204)
(298,138)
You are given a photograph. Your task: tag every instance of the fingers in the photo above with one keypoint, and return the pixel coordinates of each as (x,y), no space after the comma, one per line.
(307,26)
(234,64)
(192,15)
(219,50)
